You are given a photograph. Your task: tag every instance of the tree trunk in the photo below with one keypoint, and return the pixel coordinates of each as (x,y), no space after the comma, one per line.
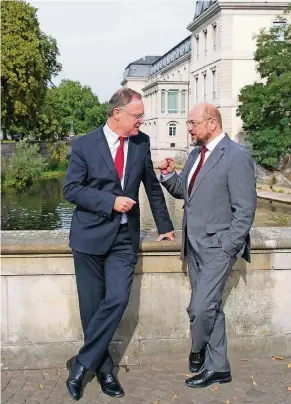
(4,132)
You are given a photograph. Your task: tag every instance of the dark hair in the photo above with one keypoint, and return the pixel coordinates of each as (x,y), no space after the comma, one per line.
(121,98)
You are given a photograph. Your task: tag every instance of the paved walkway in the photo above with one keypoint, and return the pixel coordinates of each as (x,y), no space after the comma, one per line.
(263,380)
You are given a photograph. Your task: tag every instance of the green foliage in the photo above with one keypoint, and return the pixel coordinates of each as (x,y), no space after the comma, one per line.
(69,107)
(30,105)
(58,156)
(265,108)
(47,125)
(28,64)
(26,166)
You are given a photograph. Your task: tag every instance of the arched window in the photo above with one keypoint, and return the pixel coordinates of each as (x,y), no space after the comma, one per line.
(172,129)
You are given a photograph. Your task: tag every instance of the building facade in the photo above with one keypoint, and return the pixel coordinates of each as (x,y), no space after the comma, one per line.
(212,64)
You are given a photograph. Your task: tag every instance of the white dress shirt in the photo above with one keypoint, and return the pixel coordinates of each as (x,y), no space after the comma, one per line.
(113,143)
(210,147)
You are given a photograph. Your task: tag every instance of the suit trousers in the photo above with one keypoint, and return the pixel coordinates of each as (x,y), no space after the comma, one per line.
(103,284)
(207,320)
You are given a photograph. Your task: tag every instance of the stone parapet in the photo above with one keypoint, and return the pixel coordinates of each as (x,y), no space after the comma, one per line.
(40,317)
(56,241)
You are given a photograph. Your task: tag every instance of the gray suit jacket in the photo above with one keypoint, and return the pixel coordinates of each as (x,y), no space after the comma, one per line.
(221,208)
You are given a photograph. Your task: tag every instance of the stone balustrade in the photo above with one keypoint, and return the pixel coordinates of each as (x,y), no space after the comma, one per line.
(40,317)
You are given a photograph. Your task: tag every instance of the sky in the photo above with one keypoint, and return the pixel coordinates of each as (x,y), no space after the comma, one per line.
(98,39)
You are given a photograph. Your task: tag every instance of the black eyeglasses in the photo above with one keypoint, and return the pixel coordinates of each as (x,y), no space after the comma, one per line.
(137,117)
(195,124)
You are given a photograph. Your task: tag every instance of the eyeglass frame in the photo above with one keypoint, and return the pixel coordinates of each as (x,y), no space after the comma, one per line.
(197,123)
(138,118)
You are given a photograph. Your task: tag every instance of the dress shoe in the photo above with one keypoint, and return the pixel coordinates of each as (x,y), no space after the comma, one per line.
(110,385)
(78,378)
(196,361)
(208,377)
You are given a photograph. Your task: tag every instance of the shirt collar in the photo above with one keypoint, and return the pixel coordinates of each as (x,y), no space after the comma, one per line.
(211,145)
(111,136)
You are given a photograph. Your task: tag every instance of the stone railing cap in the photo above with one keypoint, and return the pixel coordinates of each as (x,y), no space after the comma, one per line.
(56,241)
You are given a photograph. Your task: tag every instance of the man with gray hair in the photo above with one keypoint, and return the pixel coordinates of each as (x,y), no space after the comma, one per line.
(103,179)
(219,188)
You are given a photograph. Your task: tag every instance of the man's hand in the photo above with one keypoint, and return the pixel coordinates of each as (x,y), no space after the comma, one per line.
(167,166)
(123,204)
(168,236)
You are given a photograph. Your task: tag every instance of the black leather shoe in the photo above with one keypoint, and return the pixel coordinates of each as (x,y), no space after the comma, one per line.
(208,377)
(110,385)
(78,378)
(196,361)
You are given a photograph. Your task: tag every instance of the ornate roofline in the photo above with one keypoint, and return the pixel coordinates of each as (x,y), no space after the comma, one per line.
(172,55)
(230,5)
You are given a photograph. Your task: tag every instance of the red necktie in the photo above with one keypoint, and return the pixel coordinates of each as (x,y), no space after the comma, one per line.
(198,168)
(119,158)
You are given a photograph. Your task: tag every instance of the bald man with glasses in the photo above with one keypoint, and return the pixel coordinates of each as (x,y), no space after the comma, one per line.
(219,188)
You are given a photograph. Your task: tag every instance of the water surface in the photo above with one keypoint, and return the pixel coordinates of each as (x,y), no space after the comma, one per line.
(42,207)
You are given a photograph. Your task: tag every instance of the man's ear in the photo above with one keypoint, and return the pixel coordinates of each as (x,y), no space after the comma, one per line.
(116,114)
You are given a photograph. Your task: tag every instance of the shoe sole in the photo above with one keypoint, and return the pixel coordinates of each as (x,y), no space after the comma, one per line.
(113,395)
(212,382)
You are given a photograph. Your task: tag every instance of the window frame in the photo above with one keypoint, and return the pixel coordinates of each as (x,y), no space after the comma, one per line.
(172,127)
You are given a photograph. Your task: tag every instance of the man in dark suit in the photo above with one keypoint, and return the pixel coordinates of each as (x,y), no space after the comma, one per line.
(103,179)
(219,188)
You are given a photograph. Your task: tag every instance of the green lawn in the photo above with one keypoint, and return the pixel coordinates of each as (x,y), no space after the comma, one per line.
(53,174)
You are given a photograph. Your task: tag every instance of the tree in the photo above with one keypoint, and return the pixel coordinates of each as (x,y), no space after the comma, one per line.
(28,64)
(69,106)
(27,165)
(47,124)
(265,107)
(81,109)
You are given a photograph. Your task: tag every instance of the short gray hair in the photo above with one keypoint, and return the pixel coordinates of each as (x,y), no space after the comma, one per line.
(121,98)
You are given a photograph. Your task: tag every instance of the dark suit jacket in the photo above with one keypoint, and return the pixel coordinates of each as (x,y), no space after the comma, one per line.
(92,184)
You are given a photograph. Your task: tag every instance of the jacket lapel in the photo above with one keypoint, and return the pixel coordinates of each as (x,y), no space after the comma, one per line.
(104,150)
(130,158)
(210,162)
(190,164)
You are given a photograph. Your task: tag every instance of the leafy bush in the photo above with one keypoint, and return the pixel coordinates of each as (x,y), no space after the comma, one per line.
(26,166)
(265,107)
(58,156)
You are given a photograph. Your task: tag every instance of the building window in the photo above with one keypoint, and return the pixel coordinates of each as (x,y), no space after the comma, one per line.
(183,110)
(172,129)
(163,98)
(172,101)
(214,84)
(205,43)
(205,85)
(172,144)
(279,27)
(196,90)
(197,47)
(214,37)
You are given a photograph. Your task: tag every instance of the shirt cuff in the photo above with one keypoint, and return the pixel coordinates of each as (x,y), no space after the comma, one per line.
(166,176)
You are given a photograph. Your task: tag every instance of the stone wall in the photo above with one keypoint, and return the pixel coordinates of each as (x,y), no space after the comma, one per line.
(40,318)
